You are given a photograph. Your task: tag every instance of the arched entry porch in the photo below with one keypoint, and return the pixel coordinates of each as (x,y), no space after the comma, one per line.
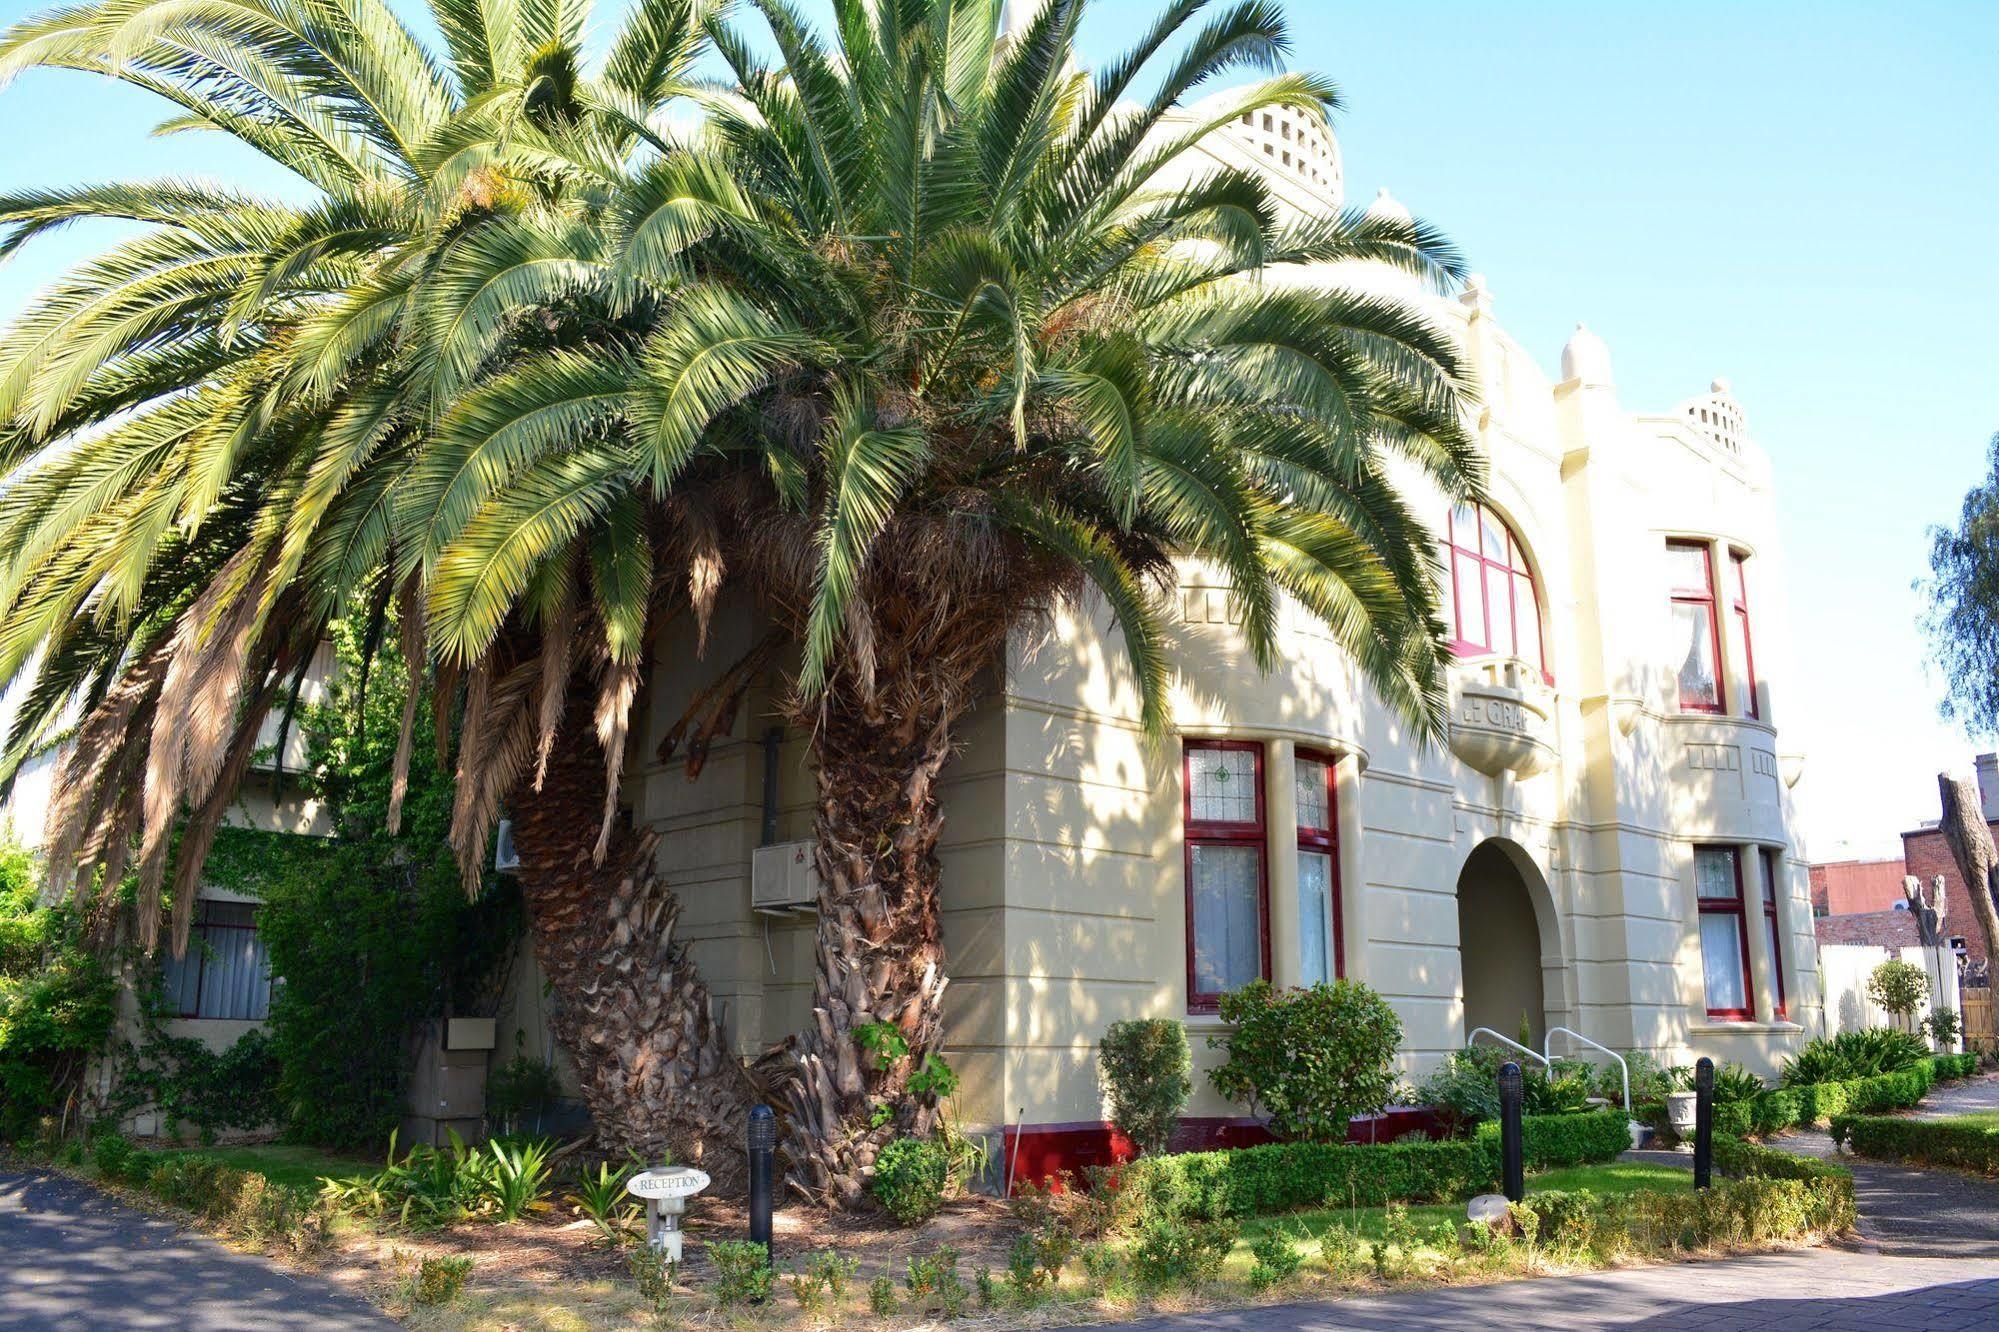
(1509,943)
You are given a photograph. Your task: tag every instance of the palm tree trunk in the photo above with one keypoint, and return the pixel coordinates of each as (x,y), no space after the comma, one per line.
(880,948)
(630,1006)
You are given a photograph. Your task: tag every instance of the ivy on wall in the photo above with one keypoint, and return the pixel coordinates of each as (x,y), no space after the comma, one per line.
(368,934)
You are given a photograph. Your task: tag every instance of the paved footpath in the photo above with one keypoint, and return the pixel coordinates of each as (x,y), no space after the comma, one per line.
(1927,1258)
(1774,1292)
(74,1259)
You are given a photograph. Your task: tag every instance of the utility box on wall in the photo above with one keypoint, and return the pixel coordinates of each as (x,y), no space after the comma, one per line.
(784,878)
(447,1081)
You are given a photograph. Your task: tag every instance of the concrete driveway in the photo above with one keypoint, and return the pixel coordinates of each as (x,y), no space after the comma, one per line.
(73,1258)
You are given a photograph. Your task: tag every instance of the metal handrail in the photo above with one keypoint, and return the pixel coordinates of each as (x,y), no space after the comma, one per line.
(1548,1042)
(1507,1041)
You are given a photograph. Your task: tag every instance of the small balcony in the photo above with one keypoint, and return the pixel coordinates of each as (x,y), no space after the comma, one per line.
(1502,716)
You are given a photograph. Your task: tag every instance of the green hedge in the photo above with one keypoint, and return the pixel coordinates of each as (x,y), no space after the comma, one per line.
(1815,1103)
(1550,1142)
(1285,1176)
(1281,1177)
(1735,1213)
(1958,1144)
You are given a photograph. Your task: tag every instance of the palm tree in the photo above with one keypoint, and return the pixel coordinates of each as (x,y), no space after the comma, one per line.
(973,358)
(224,434)
(911,339)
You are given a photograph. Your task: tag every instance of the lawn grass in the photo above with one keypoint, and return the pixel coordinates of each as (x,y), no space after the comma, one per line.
(296,1167)
(1971,1119)
(1616,1177)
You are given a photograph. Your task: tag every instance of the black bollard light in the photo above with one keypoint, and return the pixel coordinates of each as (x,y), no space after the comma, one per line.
(1512,1156)
(763,1160)
(1703,1122)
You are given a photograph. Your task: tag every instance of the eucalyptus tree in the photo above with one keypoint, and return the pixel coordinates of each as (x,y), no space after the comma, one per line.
(225,433)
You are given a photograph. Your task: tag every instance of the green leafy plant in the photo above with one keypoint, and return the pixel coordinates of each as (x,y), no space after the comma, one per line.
(934,1079)
(600,1198)
(1899,988)
(881,1297)
(1943,1026)
(933,1283)
(111,1153)
(1342,1252)
(1143,1063)
(909,1179)
(437,1279)
(1309,1059)
(1277,1258)
(1465,1086)
(883,1041)
(1853,1054)
(1733,1084)
(655,1279)
(1172,1251)
(743,1274)
(517,1178)
(57,1000)
(822,1283)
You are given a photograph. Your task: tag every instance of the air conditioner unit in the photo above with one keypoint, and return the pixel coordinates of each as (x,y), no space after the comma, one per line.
(784,878)
(505,859)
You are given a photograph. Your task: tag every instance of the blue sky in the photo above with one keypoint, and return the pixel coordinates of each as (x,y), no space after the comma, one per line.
(1799,197)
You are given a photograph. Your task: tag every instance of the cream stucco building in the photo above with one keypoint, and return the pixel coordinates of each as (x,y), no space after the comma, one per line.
(1607,843)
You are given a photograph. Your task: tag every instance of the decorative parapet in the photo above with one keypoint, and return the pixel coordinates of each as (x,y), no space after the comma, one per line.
(1502,718)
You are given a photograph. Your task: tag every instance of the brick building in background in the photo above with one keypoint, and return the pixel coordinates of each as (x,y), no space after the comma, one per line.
(1925,855)
(1853,887)
(1861,902)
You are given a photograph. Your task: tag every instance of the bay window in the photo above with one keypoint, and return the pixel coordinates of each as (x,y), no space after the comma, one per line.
(1724,932)
(1696,633)
(1773,867)
(1228,936)
(1491,603)
(1739,568)
(1320,953)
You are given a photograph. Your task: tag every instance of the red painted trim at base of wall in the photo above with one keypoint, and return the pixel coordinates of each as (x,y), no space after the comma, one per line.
(1034,1152)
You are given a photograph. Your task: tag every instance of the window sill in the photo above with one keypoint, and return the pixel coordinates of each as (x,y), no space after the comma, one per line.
(1740,1026)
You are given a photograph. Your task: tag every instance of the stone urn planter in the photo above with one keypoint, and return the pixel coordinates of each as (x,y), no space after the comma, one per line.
(1680,1113)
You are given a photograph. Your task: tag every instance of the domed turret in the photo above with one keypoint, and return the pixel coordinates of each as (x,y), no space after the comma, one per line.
(1386,205)
(1586,358)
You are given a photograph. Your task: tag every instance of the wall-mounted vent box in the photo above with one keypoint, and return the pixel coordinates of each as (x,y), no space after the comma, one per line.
(784,878)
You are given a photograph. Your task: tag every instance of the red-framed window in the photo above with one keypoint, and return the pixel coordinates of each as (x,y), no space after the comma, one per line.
(1321,942)
(1724,931)
(1773,867)
(1696,632)
(1738,563)
(1228,882)
(1492,604)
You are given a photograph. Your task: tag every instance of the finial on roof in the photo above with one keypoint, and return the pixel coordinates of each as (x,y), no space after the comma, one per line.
(1386,205)
(1586,358)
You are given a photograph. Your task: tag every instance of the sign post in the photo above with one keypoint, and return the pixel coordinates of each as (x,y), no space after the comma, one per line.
(666,1190)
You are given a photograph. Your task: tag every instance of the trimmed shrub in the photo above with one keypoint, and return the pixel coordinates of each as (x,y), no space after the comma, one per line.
(1144,1064)
(1956,1144)
(1899,987)
(1813,1103)
(1281,1177)
(1285,1176)
(1310,1059)
(111,1152)
(1549,1142)
(909,1179)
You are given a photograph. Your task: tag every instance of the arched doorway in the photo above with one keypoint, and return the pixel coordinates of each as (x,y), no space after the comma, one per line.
(1504,935)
